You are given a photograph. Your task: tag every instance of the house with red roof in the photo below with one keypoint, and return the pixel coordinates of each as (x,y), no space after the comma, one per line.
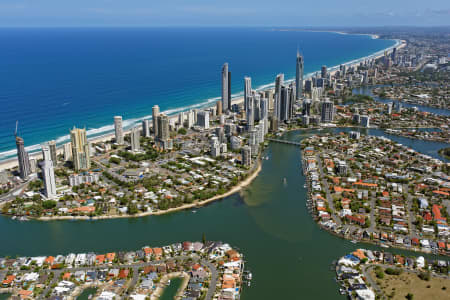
(357,219)
(437,213)
(49,260)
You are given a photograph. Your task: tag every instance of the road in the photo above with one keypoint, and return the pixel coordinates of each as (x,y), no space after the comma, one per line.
(366,272)
(326,188)
(11,195)
(214,277)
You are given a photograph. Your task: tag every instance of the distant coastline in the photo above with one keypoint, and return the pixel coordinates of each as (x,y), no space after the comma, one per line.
(374,36)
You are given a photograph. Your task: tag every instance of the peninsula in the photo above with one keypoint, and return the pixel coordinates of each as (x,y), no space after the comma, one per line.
(208,270)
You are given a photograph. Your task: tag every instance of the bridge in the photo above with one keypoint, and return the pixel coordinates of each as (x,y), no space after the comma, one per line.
(284,142)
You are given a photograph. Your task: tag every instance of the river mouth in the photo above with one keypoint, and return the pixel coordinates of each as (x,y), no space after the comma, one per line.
(269,222)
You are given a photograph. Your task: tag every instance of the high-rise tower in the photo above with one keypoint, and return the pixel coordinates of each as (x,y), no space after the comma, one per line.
(247,91)
(80,149)
(22,156)
(277,105)
(48,174)
(118,129)
(155,114)
(135,139)
(226,103)
(299,76)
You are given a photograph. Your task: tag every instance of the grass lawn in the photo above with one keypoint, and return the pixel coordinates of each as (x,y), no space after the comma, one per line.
(398,286)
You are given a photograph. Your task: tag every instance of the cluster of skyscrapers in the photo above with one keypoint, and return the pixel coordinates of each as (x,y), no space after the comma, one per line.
(262,110)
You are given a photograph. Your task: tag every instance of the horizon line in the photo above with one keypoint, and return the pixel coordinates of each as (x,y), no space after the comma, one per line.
(225,26)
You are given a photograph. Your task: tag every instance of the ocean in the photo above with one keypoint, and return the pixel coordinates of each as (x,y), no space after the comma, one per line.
(54,79)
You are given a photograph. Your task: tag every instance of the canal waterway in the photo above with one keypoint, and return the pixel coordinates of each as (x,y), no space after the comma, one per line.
(367,90)
(170,291)
(87,293)
(287,253)
(4,296)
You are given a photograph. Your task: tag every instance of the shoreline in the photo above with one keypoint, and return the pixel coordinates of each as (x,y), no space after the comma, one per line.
(11,161)
(232,191)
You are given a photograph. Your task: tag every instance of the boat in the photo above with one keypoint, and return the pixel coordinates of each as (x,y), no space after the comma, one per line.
(14,217)
(384,246)
(194,211)
(284,180)
(353,241)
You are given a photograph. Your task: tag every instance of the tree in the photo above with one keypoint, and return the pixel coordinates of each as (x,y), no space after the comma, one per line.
(49,204)
(115,160)
(409,296)
(425,276)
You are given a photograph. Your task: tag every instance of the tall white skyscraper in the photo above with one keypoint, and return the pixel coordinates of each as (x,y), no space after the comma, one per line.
(118,129)
(226,97)
(145,128)
(247,91)
(203,119)
(67,151)
(135,136)
(265,114)
(299,76)
(46,152)
(48,173)
(250,114)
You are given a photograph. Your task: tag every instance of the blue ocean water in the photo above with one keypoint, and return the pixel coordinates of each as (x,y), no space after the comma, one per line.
(53,79)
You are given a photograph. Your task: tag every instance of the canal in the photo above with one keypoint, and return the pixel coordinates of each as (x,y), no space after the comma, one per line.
(285,250)
(367,90)
(4,296)
(170,291)
(87,293)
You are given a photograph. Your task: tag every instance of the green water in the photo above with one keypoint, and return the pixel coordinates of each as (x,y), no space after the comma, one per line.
(285,250)
(5,296)
(170,291)
(86,293)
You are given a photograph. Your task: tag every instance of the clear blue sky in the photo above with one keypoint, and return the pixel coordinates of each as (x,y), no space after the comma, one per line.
(56,13)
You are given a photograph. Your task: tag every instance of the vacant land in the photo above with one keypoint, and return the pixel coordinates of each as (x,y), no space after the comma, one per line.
(399,286)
